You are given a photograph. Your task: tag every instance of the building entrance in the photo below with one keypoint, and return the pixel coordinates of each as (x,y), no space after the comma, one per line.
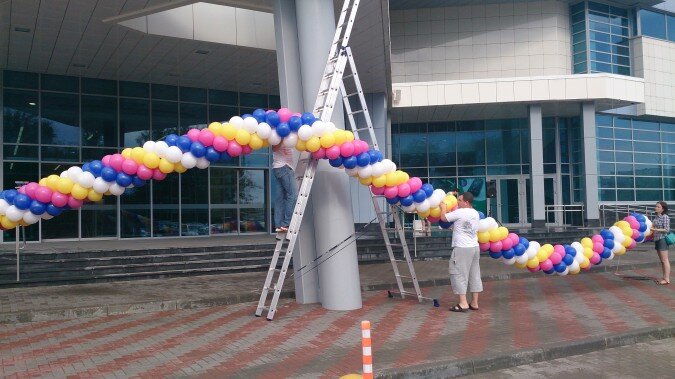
(510,202)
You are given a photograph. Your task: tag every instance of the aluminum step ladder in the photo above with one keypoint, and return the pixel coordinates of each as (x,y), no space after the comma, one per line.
(323,107)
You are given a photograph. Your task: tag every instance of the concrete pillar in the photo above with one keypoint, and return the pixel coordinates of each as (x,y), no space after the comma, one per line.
(537,166)
(330,214)
(590,164)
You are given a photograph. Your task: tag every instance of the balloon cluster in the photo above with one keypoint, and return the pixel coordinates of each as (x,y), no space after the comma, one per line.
(133,167)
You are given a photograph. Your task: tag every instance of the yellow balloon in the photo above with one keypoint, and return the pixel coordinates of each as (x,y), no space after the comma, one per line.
(79,192)
(435,212)
(243,137)
(229,131)
(627,242)
(327,140)
(587,242)
(391,179)
(495,235)
(400,177)
(424,214)
(588,252)
(108,193)
(137,154)
(519,265)
(380,181)
(301,145)
(165,166)
(622,223)
(574,272)
(366,181)
(340,137)
(406,177)
(351,376)
(483,237)
(542,254)
(179,168)
(256,142)
(94,196)
(43,182)
(313,144)
(349,135)
(265,143)
(65,186)
(621,250)
(503,233)
(548,248)
(151,160)
(53,182)
(126,153)
(7,223)
(216,128)
(533,263)
(585,263)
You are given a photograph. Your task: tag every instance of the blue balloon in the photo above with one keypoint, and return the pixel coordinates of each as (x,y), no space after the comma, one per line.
(373,155)
(246,115)
(123,179)
(212,155)
(481,215)
(295,122)
(283,130)
(108,174)
(393,200)
(337,162)
(197,149)
(600,261)
(10,194)
(496,255)
(550,272)
(85,167)
(525,242)
(428,189)
(137,182)
(259,115)
(569,250)
(380,156)
(53,210)
(640,217)
(640,238)
(272,118)
(184,143)
(420,196)
(609,244)
(308,118)
(443,224)
(519,249)
(171,139)
(22,201)
(95,167)
(224,156)
(643,227)
(606,253)
(349,162)
(363,159)
(407,201)
(508,254)
(560,267)
(606,234)
(37,208)
(568,259)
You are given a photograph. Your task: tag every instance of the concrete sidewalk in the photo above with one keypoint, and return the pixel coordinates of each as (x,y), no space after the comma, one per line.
(105,299)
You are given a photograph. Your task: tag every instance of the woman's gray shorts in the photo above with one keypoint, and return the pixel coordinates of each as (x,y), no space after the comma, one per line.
(661,245)
(465,270)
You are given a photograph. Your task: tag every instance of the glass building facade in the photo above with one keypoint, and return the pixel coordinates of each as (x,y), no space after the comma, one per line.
(657,25)
(52,122)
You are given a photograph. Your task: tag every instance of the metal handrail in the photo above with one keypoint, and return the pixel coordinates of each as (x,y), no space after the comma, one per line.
(610,213)
(568,211)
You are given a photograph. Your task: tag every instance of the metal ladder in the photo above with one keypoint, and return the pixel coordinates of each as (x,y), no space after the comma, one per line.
(325,102)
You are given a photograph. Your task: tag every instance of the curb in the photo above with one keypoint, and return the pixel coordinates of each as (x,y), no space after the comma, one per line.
(170,305)
(455,368)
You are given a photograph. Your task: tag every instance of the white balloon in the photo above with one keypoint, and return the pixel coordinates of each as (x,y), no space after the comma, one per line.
(14,214)
(250,124)
(305,132)
(574,266)
(579,258)
(535,245)
(567,270)
(611,256)
(523,258)
(100,185)
(423,206)
(188,160)
(237,122)
(30,218)
(3,206)
(86,179)
(318,128)
(47,216)
(352,171)
(378,169)
(116,189)
(174,154)
(440,193)
(64,174)
(531,251)
(578,248)
(366,171)
(274,138)
(202,163)
(483,225)
(330,127)
(74,173)
(149,146)
(160,148)
(290,140)
(408,208)
(510,261)
(263,130)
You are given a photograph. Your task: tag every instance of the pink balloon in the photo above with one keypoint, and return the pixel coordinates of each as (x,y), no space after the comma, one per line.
(106,160)
(496,247)
(635,235)
(333,152)
(632,245)
(507,243)
(595,258)
(74,203)
(433,219)
(514,238)
(284,114)
(220,144)
(234,149)
(319,154)
(364,145)
(59,199)
(377,190)
(598,238)
(634,224)
(296,114)
(130,167)
(144,172)
(360,147)
(116,162)
(555,258)
(347,149)
(559,249)
(415,184)
(30,189)
(403,190)
(246,149)
(43,194)
(206,137)
(598,247)
(484,246)
(193,135)
(390,192)
(22,189)
(534,269)
(158,175)
(547,264)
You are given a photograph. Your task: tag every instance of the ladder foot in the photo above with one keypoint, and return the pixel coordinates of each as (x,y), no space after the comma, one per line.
(389,294)
(257,315)
(436,303)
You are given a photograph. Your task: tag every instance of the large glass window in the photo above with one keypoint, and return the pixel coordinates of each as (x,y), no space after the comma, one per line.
(194,203)
(653,24)
(20,116)
(134,122)
(99,121)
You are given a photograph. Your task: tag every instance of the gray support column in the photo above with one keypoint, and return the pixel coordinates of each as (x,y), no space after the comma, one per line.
(290,91)
(590,164)
(537,167)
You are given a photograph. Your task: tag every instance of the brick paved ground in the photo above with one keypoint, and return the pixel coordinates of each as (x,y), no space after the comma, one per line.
(654,359)
(308,341)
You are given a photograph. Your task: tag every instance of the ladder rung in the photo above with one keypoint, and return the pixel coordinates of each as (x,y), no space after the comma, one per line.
(352,94)
(396,244)
(360,130)
(404,276)
(409,293)
(356,112)
(400,260)
(347,76)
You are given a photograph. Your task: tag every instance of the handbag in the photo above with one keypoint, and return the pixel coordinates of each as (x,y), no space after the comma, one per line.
(670,239)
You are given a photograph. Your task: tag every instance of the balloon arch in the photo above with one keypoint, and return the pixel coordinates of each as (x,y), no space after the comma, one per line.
(113,174)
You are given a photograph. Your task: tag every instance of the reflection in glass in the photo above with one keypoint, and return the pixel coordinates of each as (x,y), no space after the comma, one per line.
(165,207)
(20,116)
(20,151)
(134,122)
(99,121)
(100,219)
(135,212)
(164,118)
(252,200)
(195,203)
(60,119)
(192,116)
(223,200)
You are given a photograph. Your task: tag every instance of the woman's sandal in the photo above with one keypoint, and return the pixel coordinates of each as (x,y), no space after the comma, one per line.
(458,308)
(662,282)
(473,308)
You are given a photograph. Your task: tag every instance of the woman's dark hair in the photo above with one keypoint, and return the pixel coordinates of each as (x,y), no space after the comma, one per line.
(664,206)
